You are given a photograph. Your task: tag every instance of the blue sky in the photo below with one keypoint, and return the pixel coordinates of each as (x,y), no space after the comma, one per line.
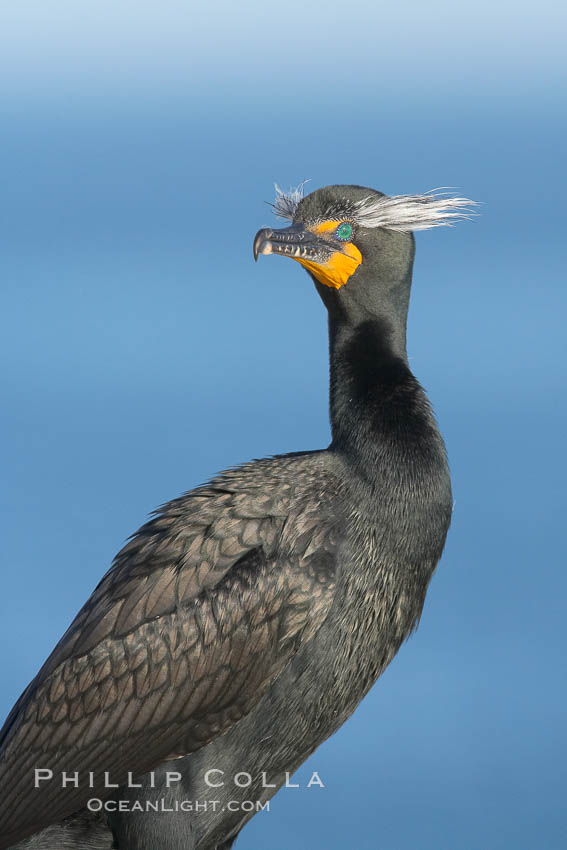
(144,351)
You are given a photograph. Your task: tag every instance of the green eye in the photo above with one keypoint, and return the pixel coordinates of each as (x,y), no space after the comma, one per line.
(344,231)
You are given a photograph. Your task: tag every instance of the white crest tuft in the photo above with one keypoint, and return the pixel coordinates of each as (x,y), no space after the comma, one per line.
(285,203)
(406,213)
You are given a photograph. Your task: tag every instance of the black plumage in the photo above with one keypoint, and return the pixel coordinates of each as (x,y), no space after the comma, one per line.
(242,625)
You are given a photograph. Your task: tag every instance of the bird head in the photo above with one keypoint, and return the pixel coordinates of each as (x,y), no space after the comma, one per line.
(356,243)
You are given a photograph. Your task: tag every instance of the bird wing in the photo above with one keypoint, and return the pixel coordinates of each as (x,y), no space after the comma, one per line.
(199,613)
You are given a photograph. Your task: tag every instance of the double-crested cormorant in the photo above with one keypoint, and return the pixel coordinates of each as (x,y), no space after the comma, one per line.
(243,624)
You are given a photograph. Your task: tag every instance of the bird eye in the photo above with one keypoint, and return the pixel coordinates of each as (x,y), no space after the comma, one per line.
(344,231)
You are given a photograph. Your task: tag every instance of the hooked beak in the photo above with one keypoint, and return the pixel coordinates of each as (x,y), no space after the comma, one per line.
(330,262)
(295,242)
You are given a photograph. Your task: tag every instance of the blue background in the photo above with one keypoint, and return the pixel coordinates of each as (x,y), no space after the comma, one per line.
(143,351)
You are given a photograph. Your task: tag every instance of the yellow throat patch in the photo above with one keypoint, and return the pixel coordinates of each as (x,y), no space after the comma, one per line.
(340,266)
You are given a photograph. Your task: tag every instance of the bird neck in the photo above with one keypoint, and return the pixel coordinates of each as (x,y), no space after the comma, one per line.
(377,406)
